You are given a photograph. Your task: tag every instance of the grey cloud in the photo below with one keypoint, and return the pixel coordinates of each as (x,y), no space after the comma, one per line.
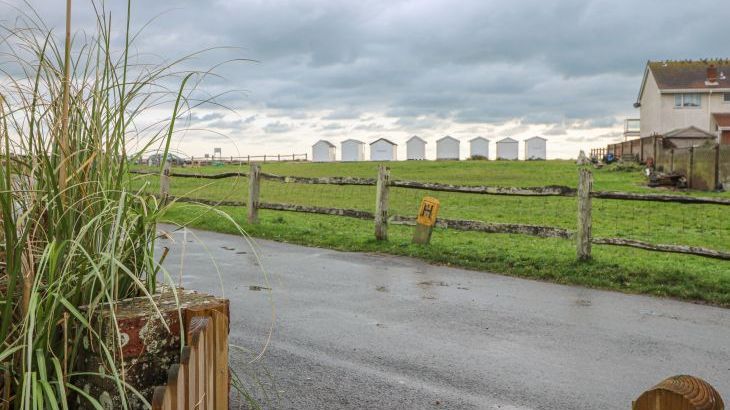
(568,64)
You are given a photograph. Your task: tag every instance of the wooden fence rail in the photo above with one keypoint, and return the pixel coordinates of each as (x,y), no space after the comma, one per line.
(381,217)
(201,379)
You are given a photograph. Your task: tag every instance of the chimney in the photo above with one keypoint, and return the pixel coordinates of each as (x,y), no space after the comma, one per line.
(712,74)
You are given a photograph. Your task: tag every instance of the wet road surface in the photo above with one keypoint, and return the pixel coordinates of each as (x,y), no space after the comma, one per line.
(359,331)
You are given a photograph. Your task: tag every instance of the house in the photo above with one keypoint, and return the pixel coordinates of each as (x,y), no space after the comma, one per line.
(352,150)
(682,95)
(416,148)
(447,148)
(479,147)
(507,148)
(383,150)
(323,151)
(535,148)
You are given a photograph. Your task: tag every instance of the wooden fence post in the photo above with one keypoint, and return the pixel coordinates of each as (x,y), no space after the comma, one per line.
(381,203)
(717,166)
(691,166)
(583,235)
(254,186)
(165,182)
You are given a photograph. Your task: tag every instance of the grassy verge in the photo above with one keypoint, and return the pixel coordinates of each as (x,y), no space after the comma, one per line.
(684,277)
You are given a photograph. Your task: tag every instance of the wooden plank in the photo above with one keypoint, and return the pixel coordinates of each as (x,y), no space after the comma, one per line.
(210,366)
(184,377)
(479,226)
(198,176)
(553,190)
(583,233)
(352,213)
(688,250)
(254,189)
(173,387)
(220,324)
(381,203)
(633,196)
(158,398)
(319,180)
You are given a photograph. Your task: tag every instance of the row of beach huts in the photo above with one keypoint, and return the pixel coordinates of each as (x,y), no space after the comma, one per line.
(447,148)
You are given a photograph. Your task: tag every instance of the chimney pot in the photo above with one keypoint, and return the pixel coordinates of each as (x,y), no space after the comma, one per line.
(712,74)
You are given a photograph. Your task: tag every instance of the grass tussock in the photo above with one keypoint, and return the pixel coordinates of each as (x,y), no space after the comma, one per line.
(73,230)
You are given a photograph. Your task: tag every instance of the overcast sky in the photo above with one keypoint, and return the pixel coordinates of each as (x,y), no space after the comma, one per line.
(568,70)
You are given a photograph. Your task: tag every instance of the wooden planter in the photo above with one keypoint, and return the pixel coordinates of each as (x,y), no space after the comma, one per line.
(151,348)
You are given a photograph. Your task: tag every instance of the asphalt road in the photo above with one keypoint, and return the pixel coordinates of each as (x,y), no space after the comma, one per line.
(357,331)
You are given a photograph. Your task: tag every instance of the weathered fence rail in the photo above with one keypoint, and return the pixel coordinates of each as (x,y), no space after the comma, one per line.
(584,194)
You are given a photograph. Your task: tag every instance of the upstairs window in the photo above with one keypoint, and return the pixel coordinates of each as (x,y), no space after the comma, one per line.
(687,100)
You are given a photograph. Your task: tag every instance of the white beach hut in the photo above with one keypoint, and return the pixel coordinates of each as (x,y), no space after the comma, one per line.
(447,148)
(383,150)
(352,150)
(536,148)
(507,148)
(416,148)
(479,147)
(323,151)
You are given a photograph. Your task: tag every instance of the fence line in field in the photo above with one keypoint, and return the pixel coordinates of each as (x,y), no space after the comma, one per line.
(584,195)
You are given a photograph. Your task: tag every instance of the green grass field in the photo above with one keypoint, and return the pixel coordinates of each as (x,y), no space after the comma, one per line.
(680,276)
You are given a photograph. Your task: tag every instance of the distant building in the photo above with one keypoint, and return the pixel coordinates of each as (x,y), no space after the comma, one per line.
(352,150)
(507,148)
(447,148)
(416,148)
(323,151)
(383,150)
(479,147)
(535,148)
(677,95)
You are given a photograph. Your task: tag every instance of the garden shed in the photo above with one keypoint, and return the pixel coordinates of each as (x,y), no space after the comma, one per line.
(383,150)
(352,150)
(323,151)
(479,147)
(507,148)
(535,148)
(447,148)
(416,148)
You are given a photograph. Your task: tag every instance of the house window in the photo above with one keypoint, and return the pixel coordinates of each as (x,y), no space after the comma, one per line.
(726,97)
(686,100)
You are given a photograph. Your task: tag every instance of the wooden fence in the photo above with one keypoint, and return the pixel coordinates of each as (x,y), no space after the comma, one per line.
(247,159)
(201,379)
(706,167)
(584,195)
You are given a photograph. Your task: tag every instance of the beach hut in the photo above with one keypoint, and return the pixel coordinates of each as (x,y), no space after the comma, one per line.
(323,151)
(507,148)
(535,148)
(383,150)
(447,148)
(352,150)
(416,148)
(479,147)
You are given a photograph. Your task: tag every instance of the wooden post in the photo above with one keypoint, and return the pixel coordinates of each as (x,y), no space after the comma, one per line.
(583,235)
(691,166)
(426,219)
(254,186)
(717,166)
(165,182)
(381,203)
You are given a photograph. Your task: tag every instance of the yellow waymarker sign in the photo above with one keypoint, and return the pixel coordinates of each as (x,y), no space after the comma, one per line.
(428,211)
(426,219)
